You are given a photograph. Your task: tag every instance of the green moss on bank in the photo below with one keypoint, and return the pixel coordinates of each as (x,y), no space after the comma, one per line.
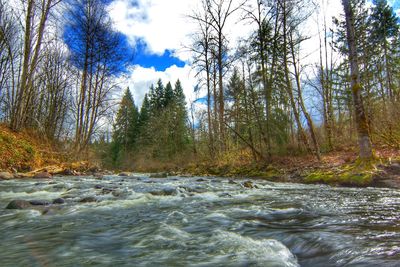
(225,170)
(24,151)
(359,173)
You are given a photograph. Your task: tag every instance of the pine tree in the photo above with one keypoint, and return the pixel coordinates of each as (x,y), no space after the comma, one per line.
(180,128)
(168,95)
(143,122)
(125,127)
(384,28)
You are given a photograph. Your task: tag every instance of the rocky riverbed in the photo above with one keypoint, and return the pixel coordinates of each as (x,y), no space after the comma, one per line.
(135,220)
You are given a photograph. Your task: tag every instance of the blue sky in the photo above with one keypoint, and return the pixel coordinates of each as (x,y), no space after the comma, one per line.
(160,62)
(158,29)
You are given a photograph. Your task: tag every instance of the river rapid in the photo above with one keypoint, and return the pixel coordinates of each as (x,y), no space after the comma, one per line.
(199,221)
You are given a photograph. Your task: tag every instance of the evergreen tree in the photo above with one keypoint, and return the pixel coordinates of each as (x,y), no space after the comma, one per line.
(157,96)
(384,29)
(180,128)
(143,122)
(168,95)
(125,127)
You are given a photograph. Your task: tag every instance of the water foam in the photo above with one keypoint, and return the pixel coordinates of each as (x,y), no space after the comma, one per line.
(259,252)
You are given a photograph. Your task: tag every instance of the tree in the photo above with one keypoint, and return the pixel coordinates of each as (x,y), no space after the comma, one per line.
(203,42)
(179,119)
(125,131)
(219,12)
(364,140)
(32,48)
(384,27)
(99,53)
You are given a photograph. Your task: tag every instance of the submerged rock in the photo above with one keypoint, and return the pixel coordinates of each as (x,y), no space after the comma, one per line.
(52,210)
(248,184)
(164,192)
(19,205)
(88,200)
(159,175)
(124,174)
(201,180)
(105,191)
(6,176)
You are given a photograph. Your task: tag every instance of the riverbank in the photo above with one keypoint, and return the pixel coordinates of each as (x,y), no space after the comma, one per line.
(339,168)
(28,155)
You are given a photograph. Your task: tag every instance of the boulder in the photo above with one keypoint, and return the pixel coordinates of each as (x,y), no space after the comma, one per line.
(59,201)
(18,205)
(43,175)
(39,203)
(6,176)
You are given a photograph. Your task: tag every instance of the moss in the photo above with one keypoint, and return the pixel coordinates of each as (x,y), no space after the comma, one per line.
(359,173)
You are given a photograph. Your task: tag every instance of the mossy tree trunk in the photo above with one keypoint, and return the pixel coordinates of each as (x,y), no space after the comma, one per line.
(364,139)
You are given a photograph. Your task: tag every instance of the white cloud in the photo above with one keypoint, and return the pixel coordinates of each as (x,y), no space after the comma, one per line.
(140,80)
(161,24)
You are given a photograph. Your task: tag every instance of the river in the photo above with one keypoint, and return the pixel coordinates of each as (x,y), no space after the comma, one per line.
(174,221)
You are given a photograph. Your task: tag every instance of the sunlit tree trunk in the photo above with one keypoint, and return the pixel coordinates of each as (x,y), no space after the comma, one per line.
(364,140)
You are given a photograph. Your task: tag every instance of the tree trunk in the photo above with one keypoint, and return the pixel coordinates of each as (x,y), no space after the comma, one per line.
(364,140)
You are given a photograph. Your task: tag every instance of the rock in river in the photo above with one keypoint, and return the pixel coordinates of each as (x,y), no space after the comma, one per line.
(59,201)
(248,184)
(88,200)
(6,176)
(39,202)
(164,192)
(19,205)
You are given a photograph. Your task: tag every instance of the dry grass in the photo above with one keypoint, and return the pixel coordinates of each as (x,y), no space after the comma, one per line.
(25,151)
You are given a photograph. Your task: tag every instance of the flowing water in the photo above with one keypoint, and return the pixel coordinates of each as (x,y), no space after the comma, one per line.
(140,221)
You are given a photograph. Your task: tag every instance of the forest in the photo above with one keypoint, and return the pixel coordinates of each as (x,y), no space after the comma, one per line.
(61,64)
(270,137)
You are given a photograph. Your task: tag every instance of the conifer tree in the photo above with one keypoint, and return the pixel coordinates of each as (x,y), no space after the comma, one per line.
(143,122)
(168,95)
(125,127)
(180,129)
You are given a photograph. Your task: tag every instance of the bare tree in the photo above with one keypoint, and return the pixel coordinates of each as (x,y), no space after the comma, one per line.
(36,16)
(364,139)
(219,12)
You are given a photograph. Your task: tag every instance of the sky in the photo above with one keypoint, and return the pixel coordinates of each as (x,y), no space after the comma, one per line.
(160,30)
